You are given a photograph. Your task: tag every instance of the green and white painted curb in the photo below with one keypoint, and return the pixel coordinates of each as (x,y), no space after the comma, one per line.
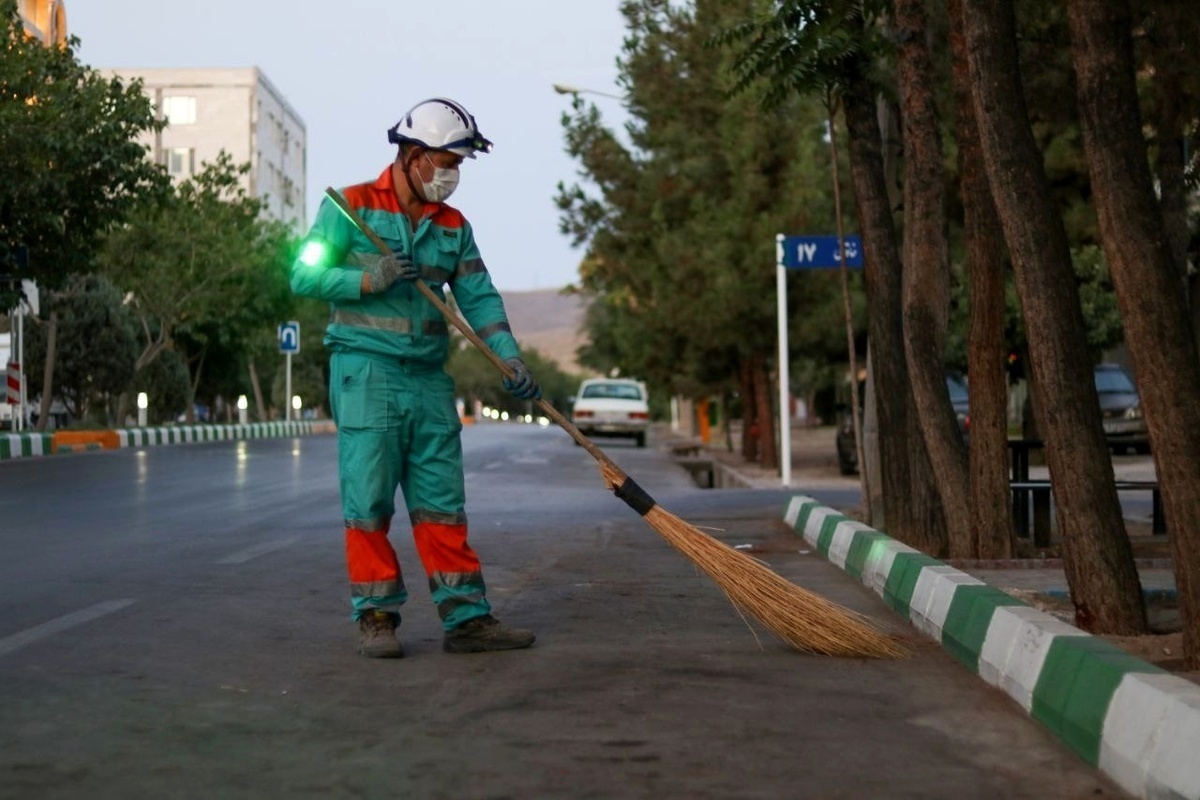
(25,445)
(180,434)
(1135,722)
(29,445)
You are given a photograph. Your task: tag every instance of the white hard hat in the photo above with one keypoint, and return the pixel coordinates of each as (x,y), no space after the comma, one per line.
(440,124)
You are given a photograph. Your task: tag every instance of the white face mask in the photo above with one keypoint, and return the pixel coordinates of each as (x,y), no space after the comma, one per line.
(443,184)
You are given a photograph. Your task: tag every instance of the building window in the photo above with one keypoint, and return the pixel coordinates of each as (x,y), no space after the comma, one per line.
(179,110)
(181,162)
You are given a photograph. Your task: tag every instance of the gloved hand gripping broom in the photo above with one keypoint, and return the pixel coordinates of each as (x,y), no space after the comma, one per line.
(806,621)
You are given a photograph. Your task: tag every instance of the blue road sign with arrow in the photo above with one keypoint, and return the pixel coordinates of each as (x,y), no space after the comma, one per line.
(817,252)
(289,337)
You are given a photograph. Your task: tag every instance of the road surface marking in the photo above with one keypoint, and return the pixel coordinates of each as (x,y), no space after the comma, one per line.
(242,556)
(18,640)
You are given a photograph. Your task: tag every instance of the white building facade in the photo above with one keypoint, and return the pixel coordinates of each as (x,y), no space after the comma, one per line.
(236,110)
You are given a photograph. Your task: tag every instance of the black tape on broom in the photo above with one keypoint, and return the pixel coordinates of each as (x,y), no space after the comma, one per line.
(634,496)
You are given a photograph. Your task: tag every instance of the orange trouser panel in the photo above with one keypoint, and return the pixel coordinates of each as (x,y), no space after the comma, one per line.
(370,557)
(444,548)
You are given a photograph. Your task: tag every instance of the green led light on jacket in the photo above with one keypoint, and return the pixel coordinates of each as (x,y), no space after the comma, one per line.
(313,253)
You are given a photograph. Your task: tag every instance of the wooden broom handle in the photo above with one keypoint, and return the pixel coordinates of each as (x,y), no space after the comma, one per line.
(467,331)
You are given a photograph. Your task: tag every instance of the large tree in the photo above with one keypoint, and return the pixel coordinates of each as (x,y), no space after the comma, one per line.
(802,47)
(926,280)
(70,164)
(96,351)
(680,225)
(200,260)
(1142,262)
(991,519)
(1096,551)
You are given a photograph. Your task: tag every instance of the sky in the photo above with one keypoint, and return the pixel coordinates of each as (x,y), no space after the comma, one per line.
(351,68)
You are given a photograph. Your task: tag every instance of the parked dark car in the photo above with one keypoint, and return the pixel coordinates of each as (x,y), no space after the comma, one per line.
(1121,410)
(847,451)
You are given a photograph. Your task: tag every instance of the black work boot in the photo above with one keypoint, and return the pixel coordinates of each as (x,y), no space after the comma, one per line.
(484,634)
(378,629)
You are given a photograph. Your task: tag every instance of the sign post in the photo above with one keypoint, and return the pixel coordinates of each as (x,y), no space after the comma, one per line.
(802,252)
(289,344)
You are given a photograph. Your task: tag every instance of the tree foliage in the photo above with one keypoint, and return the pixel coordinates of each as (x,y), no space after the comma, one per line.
(680,214)
(97,348)
(205,270)
(70,163)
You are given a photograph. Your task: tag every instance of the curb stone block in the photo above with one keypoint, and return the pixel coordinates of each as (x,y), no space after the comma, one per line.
(1015,649)
(863,553)
(26,445)
(1076,684)
(843,539)
(829,524)
(879,564)
(968,620)
(902,580)
(1140,730)
(1173,768)
(932,596)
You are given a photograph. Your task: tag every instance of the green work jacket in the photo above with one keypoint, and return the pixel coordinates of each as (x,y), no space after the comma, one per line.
(399,323)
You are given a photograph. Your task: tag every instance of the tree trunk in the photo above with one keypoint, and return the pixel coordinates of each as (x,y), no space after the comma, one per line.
(991,515)
(1146,279)
(259,409)
(767,451)
(1174,27)
(749,412)
(48,372)
(1096,551)
(906,482)
(926,279)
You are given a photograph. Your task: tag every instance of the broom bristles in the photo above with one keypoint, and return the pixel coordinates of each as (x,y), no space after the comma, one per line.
(805,620)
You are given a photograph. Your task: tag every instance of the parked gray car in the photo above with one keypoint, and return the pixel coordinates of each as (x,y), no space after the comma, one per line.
(847,452)
(1121,410)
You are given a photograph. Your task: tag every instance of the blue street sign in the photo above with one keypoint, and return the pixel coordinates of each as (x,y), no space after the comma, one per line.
(815,252)
(289,337)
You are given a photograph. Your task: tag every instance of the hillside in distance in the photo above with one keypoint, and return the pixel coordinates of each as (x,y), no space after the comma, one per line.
(550,322)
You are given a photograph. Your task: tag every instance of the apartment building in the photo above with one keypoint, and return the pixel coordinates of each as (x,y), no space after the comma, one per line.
(236,110)
(44,20)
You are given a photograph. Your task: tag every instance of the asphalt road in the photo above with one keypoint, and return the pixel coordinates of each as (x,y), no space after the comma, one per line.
(174,623)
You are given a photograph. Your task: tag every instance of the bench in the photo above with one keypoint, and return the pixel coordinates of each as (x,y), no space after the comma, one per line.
(1039,492)
(686,449)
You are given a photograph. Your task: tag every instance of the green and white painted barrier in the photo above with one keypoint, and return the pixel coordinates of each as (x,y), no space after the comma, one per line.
(25,445)
(1135,722)
(180,434)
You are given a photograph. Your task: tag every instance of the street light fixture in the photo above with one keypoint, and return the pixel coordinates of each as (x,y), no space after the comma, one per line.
(566,88)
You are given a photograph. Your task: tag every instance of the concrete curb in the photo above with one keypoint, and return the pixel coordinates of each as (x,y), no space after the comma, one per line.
(1135,722)
(28,445)
(25,445)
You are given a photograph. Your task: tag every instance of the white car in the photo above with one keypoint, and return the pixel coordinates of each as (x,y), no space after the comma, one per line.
(612,407)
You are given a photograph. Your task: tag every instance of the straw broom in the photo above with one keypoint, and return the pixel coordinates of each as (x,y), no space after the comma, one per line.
(803,619)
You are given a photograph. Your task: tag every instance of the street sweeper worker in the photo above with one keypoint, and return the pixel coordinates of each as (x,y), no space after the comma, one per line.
(393,402)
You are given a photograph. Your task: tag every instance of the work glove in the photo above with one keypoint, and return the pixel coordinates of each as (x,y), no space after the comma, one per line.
(389,269)
(522,384)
